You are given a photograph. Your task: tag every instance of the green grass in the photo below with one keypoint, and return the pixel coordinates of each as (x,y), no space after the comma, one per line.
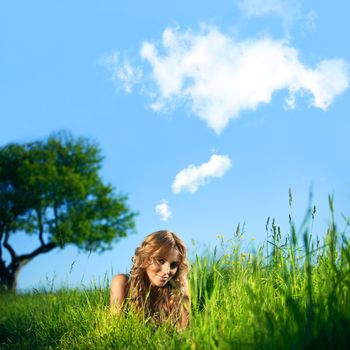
(287,294)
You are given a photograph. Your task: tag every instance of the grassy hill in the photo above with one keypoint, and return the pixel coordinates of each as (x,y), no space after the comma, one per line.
(287,294)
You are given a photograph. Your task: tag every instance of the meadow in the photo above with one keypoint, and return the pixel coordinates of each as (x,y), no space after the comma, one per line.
(292,292)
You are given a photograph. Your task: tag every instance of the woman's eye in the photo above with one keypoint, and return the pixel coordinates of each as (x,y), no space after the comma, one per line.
(173,265)
(161,261)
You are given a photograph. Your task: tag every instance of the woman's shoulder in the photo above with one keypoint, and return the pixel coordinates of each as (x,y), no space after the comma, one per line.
(120,285)
(119,290)
(121,278)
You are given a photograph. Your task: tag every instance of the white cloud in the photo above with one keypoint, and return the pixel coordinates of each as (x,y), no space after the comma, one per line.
(219,77)
(124,75)
(289,11)
(190,178)
(163,209)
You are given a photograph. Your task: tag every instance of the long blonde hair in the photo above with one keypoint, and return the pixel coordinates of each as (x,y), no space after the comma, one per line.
(161,304)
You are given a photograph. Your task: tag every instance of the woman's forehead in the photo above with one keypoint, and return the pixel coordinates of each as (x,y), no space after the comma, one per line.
(170,254)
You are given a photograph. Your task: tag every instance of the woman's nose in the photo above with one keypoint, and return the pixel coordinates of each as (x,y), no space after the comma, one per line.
(166,268)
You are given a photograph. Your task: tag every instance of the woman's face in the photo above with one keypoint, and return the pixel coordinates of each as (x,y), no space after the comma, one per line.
(163,266)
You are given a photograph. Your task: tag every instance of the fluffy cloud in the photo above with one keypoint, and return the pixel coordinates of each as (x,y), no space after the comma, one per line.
(124,75)
(289,11)
(219,77)
(163,210)
(286,9)
(190,178)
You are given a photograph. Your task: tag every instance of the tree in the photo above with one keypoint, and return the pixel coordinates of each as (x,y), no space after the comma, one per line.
(52,189)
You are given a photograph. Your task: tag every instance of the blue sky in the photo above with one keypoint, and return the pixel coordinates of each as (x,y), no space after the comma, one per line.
(206,112)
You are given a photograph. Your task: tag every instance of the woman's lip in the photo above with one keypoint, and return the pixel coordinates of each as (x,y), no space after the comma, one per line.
(163,278)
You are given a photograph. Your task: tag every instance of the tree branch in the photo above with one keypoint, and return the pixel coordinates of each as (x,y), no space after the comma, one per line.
(42,249)
(2,229)
(22,260)
(55,210)
(41,228)
(2,262)
(55,214)
(8,246)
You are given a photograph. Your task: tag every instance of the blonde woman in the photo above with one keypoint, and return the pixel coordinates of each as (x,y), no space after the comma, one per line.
(157,286)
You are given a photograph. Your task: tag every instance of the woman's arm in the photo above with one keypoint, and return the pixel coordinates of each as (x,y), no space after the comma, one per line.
(118,291)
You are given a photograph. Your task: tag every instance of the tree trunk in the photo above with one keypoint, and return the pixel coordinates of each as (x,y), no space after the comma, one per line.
(9,275)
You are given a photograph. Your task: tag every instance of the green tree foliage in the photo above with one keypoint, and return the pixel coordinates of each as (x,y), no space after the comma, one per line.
(52,189)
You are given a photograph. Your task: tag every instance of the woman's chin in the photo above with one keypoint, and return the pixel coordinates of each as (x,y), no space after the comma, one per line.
(160,283)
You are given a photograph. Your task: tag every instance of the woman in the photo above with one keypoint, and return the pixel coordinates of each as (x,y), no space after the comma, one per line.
(157,286)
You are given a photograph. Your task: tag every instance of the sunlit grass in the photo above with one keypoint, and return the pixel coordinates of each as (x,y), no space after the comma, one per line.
(290,293)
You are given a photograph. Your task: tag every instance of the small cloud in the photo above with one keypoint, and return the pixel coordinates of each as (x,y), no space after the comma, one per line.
(290,101)
(163,210)
(218,77)
(190,178)
(124,75)
(289,11)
